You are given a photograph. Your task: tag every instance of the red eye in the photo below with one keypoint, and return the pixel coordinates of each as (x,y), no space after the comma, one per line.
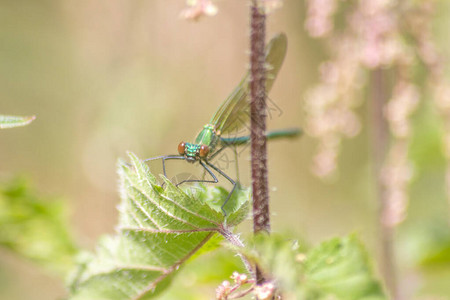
(204,150)
(181,148)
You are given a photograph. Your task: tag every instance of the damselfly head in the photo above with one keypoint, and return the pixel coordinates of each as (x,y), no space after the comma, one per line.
(191,152)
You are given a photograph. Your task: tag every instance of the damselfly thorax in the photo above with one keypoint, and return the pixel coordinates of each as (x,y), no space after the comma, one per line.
(204,144)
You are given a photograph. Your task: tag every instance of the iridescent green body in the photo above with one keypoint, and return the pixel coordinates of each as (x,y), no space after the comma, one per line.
(192,150)
(233,114)
(208,136)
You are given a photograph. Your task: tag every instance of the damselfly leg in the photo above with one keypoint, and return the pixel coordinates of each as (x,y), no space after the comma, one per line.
(207,167)
(164,158)
(229,179)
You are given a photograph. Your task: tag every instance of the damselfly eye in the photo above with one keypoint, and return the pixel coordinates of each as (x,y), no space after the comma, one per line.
(181,148)
(204,150)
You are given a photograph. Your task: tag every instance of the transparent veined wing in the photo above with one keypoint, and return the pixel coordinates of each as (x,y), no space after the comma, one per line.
(234,112)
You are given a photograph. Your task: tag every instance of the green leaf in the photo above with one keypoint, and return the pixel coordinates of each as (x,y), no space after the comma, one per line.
(14,121)
(34,227)
(200,277)
(340,268)
(427,244)
(159,230)
(276,255)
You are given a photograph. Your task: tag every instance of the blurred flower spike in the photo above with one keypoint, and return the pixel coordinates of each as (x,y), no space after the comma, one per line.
(376,36)
(198,8)
(271,5)
(239,278)
(319,19)
(265,291)
(223,290)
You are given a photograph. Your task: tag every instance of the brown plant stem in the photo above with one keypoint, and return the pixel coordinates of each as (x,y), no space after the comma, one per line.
(261,218)
(379,149)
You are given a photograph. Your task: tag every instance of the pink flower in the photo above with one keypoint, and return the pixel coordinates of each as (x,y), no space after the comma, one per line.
(199,8)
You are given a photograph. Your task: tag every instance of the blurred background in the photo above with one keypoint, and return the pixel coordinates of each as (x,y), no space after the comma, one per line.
(106,77)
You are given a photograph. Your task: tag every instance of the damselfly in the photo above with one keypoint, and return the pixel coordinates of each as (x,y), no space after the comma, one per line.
(232,115)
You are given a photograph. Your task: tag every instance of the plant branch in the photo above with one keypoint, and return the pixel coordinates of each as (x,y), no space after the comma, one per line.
(261,220)
(379,150)
(236,242)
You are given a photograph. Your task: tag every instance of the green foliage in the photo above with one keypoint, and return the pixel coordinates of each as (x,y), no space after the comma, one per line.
(340,268)
(200,277)
(14,121)
(276,255)
(428,244)
(159,230)
(335,269)
(34,227)
(425,247)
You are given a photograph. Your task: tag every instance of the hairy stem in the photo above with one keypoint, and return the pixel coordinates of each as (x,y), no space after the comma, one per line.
(379,150)
(261,221)
(261,218)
